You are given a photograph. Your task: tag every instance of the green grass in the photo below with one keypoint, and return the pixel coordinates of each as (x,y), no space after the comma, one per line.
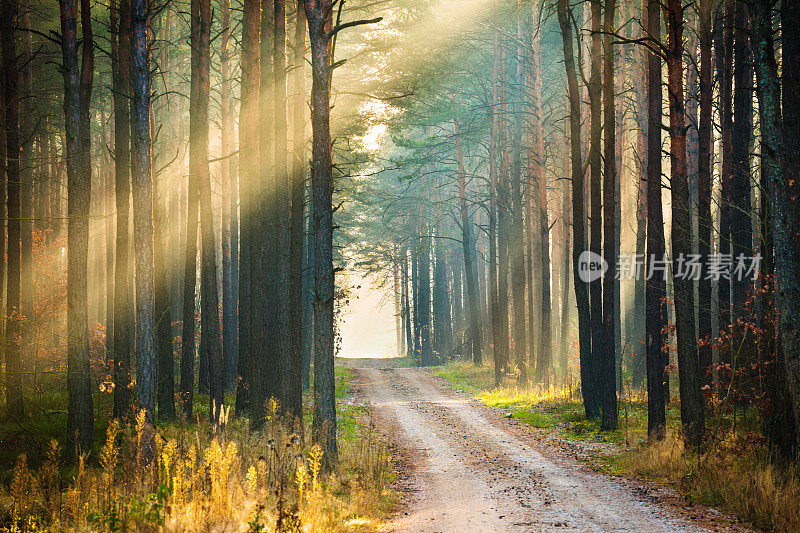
(557,409)
(466,377)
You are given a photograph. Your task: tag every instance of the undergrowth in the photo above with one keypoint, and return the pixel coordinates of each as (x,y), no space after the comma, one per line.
(734,472)
(231,479)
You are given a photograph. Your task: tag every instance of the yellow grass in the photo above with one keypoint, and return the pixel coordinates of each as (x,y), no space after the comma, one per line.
(234,480)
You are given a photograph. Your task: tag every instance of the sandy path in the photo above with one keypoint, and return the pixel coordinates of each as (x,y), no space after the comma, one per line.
(472,471)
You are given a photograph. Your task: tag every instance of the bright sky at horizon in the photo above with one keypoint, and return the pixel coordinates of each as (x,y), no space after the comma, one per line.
(368,324)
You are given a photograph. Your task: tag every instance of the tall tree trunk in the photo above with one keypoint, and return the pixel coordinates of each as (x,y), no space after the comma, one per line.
(324,425)
(688,365)
(77,96)
(265,308)
(516,245)
(636,332)
(288,287)
(782,164)
(499,355)
(123,302)
(196,159)
(3,213)
(210,340)
(724,48)
(740,223)
(26,136)
(143,213)
(608,363)
(566,221)
(539,192)
(424,286)
(595,216)
(578,217)
(229,333)
(406,306)
(248,169)
(14,383)
(475,329)
(655,292)
(298,192)
(704,171)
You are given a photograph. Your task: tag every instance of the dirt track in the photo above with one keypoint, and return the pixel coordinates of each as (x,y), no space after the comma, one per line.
(468,469)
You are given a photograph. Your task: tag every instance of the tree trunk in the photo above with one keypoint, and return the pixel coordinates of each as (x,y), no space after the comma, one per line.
(229,203)
(26,136)
(516,245)
(469,262)
(688,365)
(499,353)
(782,163)
(740,223)
(143,213)
(298,192)
(14,381)
(77,96)
(545,358)
(655,292)
(704,175)
(288,286)
(210,340)
(724,48)
(197,158)
(595,216)
(578,217)
(609,361)
(248,169)
(324,425)
(123,302)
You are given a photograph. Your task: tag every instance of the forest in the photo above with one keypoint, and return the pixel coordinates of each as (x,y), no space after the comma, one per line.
(585,205)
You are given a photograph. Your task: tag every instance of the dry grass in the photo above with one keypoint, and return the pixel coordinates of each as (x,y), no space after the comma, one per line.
(233,480)
(734,474)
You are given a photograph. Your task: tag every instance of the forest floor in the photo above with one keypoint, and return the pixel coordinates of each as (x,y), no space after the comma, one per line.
(465,466)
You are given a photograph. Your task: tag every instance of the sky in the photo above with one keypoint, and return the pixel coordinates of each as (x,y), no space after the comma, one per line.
(368,324)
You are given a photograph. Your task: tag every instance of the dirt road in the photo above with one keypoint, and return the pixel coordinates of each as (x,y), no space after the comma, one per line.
(472,470)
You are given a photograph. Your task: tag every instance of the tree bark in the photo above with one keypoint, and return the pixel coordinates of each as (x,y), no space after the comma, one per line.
(123,304)
(610,249)
(704,167)
(499,353)
(229,204)
(469,261)
(740,223)
(324,424)
(14,382)
(516,245)
(298,192)
(655,292)
(578,216)
(77,96)
(210,341)
(288,286)
(595,215)
(143,212)
(248,169)
(781,142)
(688,365)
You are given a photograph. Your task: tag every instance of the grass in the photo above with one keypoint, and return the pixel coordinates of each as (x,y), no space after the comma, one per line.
(231,479)
(734,472)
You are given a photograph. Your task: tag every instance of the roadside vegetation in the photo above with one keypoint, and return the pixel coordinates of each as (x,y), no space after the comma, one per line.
(735,470)
(228,479)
